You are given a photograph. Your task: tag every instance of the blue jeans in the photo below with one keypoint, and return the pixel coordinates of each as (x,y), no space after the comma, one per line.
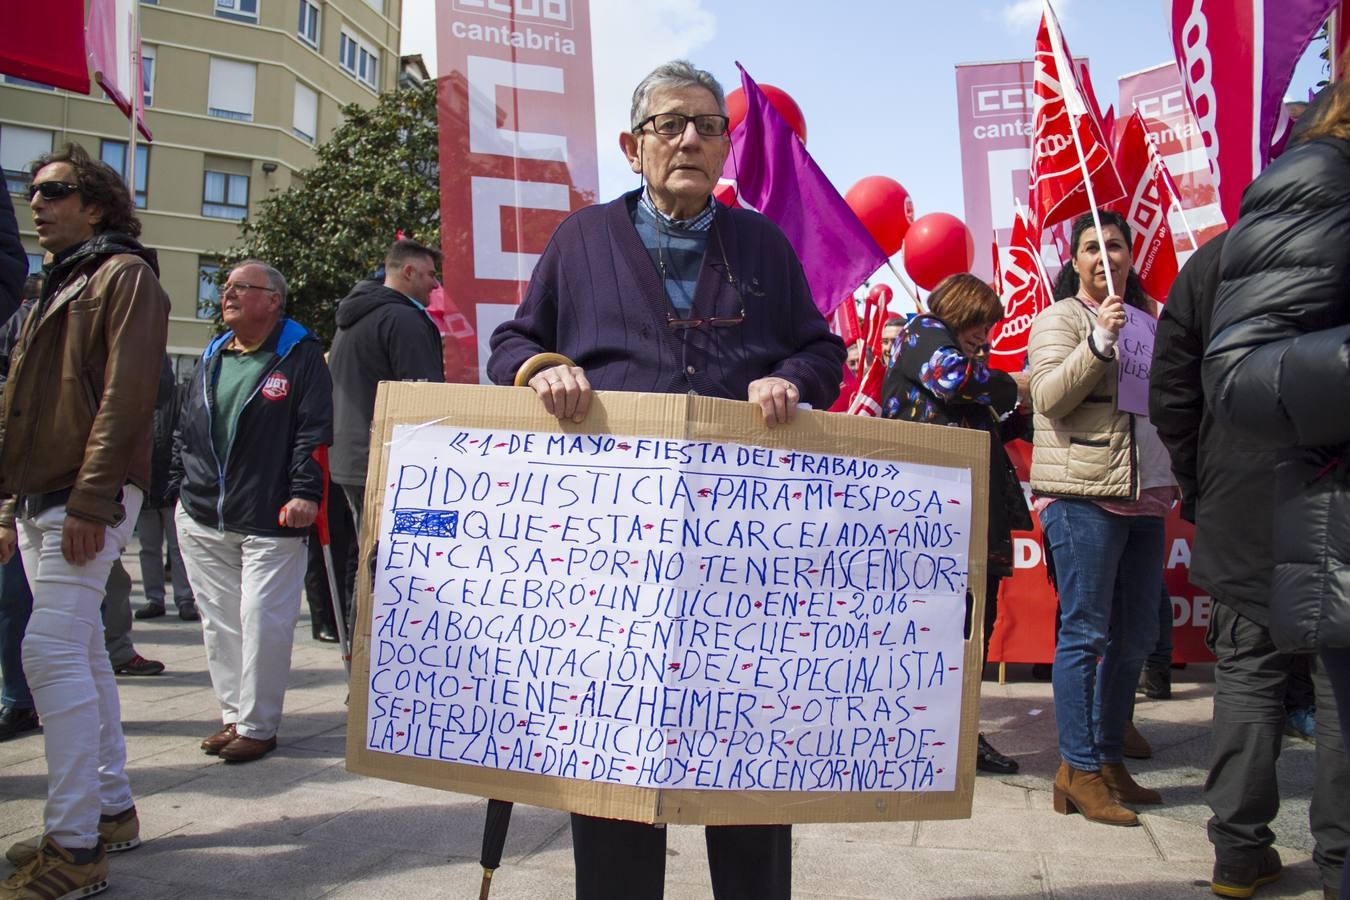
(1161,658)
(16,605)
(1109,574)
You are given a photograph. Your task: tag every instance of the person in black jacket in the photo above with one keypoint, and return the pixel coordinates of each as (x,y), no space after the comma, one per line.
(384,334)
(13,260)
(1227,492)
(259,404)
(1276,369)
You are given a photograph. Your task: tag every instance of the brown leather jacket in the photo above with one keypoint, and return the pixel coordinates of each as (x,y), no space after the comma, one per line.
(76,410)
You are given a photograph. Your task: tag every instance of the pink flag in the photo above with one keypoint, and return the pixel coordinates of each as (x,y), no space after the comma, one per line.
(773,174)
(44,42)
(1067,145)
(1145,206)
(1026,291)
(1236,59)
(112,37)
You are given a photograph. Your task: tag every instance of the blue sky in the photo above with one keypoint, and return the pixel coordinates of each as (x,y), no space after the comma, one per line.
(875,80)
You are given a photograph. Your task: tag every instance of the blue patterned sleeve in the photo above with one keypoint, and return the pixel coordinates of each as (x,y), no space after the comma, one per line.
(953,377)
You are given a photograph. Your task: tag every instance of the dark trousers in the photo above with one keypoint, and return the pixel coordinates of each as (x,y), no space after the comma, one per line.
(1336,663)
(342,545)
(1249,686)
(16,605)
(617,860)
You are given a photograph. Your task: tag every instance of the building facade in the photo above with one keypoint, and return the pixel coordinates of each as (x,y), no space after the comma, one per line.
(238,93)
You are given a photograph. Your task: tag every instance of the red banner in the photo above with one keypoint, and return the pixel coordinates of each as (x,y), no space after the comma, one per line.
(1071,166)
(44,42)
(1025,630)
(1146,204)
(516,107)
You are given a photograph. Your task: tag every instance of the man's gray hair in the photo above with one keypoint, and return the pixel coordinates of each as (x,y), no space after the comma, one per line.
(678,73)
(275,280)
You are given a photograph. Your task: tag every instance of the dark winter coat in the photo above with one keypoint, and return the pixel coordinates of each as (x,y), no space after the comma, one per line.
(1226,488)
(932,381)
(287,415)
(13,259)
(167,403)
(1277,369)
(381,336)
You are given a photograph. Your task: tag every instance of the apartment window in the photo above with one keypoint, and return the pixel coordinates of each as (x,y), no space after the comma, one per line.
(208,293)
(359,60)
(24,82)
(305,118)
(308,27)
(229,94)
(148,73)
(114,153)
(34,263)
(19,146)
(224,195)
(238,10)
(377,5)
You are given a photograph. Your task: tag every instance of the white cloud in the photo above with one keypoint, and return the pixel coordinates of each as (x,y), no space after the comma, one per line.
(1021,15)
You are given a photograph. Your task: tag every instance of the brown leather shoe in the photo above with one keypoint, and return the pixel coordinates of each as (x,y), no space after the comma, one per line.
(1136,745)
(1086,793)
(211,746)
(1126,789)
(247,749)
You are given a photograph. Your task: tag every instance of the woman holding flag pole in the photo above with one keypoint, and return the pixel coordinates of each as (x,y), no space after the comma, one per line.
(1103,483)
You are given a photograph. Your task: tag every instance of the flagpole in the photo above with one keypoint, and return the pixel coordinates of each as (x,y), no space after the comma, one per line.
(137,99)
(909,288)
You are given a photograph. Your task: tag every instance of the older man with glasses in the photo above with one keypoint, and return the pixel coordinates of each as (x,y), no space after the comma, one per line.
(258,405)
(665,290)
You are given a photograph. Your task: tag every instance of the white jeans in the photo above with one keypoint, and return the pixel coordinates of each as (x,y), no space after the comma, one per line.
(71,678)
(248,592)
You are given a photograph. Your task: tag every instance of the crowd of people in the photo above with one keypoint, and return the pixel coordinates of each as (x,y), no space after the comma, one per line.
(665,290)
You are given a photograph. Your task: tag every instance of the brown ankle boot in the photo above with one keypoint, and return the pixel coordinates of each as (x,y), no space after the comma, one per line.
(1126,789)
(1086,793)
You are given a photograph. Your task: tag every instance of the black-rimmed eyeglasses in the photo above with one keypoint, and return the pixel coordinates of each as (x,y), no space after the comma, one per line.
(674,124)
(52,190)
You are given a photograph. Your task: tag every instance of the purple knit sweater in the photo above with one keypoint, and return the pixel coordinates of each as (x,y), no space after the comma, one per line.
(596,298)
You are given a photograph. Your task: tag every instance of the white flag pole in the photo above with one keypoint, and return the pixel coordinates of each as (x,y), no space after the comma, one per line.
(136,98)
(909,288)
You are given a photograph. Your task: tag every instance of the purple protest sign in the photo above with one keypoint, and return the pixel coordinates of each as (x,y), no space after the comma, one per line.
(1134,349)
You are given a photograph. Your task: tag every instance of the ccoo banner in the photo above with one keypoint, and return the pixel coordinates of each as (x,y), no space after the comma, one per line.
(516,107)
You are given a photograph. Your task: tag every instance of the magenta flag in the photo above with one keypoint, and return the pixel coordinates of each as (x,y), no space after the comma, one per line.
(1236,59)
(773,174)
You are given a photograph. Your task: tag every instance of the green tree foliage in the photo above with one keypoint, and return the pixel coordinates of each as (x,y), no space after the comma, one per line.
(376,175)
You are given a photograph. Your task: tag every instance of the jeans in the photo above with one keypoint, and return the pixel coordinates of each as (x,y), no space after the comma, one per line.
(116,612)
(71,678)
(1336,662)
(1250,682)
(16,605)
(1160,659)
(1109,572)
(248,592)
(156,527)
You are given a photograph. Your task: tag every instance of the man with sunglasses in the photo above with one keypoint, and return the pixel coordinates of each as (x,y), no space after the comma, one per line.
(259,404)
(74,463)
(665,290)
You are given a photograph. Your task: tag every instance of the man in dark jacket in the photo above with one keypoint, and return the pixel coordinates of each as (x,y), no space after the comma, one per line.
(1228,493)
(384,334)
(155,527)
(258,405)
(74,463)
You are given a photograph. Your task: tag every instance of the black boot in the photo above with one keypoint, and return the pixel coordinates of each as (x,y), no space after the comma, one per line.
(987,759)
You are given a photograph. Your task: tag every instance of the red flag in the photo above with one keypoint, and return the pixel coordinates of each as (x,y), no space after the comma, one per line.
(113,39)
(867,399)
(997,283)
(1026,291)
(844,321)
(44,42)
(1145,208)
(320,456)
(1067,141)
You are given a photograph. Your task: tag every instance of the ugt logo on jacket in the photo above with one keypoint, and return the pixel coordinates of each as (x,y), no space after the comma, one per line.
(276,387)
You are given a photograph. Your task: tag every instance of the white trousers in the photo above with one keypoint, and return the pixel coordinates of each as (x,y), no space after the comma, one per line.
(247,589)
(72,681)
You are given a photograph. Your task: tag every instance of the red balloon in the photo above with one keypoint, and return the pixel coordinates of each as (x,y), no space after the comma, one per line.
(938,245)
(725,194)
(884,208)
(881,294)
(778,99)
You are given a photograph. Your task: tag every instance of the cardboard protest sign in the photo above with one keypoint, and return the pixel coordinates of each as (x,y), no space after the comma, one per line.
(670,613)
(1135,347)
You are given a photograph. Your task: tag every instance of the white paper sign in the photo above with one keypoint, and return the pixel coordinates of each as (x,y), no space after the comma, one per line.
(669,614)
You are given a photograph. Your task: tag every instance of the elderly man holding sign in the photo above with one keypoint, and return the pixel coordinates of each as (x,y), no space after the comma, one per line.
(664,290)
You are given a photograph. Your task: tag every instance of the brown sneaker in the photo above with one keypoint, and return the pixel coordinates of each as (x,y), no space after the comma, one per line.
(1241,878)
(247,749)
(118,832)
(212,745)
(57,873)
